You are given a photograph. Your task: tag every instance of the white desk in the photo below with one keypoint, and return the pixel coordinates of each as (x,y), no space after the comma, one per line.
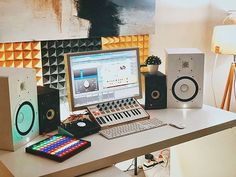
(103,152)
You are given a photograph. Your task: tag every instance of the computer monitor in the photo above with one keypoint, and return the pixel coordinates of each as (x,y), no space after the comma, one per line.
(101,76)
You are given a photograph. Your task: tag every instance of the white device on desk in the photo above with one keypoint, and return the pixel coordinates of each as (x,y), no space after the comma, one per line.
(185,71)
(18,107)
(116,112)
(106,82)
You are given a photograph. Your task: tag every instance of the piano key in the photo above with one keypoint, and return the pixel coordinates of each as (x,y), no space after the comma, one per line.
(126,115)
(107,119)
(135,110)
(117,115)
(103,121)
(120,115)
(98,120)
(116,120)
(138,111)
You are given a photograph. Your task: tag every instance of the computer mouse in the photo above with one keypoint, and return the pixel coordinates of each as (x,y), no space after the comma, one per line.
(179,126)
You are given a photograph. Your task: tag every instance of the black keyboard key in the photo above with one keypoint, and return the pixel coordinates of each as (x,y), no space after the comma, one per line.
(138,111)
(133,112)
(107,119)
(120,115)
(117,115)
(103,121)
(110,118)
(128,113)
(99,121)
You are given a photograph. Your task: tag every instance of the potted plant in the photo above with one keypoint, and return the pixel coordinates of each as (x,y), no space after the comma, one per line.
(152,63)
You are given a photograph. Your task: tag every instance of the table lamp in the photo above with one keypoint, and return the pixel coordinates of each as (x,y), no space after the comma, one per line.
(224,42)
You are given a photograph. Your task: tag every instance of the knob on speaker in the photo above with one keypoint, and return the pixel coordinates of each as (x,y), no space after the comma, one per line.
(155,91)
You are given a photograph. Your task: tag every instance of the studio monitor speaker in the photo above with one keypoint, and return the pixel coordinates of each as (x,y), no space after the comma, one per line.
(185,72)
(155,91)
(49,109)
(18,107)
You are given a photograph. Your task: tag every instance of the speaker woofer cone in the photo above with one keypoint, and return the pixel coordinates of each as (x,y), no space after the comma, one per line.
(50,114)
(185,88)
(25,118)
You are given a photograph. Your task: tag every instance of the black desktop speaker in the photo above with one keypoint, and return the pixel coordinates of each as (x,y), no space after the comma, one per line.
(49,109)
(155,91)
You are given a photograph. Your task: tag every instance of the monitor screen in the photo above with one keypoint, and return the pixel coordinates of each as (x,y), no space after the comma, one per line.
(101,76)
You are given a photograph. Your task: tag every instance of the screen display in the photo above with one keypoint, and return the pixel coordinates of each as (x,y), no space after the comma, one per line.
(102,76)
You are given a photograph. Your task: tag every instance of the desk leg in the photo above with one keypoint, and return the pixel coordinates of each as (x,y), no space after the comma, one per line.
(135,166)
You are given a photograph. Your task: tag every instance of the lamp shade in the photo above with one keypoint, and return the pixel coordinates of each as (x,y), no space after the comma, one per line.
(224,40)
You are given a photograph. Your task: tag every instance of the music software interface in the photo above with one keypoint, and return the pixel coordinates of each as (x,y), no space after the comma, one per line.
(101,77)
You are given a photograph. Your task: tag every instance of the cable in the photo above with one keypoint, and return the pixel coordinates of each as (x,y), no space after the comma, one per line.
(132,163)
(212,80)
(226,18)
(165,154)
(231,15)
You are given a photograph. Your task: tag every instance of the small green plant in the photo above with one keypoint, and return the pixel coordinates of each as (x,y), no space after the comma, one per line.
(153,60)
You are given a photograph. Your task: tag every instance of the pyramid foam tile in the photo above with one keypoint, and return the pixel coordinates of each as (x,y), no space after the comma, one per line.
(22,54)
(140,41)
(52,54)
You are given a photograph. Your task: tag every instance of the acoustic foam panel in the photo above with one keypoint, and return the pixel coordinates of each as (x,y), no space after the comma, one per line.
(53,59)
(22,55)
(141,41)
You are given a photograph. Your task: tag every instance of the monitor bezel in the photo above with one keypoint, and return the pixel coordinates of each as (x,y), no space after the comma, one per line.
(67,58)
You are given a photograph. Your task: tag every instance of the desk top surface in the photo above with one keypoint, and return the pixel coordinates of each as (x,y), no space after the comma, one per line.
(103,152)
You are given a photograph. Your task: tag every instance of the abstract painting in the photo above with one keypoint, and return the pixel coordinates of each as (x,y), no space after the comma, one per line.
(117,17)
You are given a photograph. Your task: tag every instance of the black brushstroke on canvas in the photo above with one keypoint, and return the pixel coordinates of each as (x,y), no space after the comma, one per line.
(103,16)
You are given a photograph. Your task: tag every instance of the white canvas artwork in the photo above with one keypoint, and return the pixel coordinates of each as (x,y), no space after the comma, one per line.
(28,20)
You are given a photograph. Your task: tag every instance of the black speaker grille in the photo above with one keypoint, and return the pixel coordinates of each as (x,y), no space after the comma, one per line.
(155,91)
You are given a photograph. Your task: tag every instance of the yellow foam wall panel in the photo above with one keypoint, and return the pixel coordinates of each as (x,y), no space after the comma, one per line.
(22,55)
(140,41)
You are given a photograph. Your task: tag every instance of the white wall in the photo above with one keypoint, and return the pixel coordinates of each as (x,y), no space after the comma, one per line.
(189,23)
(27,20)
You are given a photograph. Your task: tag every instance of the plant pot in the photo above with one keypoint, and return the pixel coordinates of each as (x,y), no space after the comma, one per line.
(152,68)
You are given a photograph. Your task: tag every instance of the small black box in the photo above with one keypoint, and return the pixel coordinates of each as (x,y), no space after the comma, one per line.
(79,128)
